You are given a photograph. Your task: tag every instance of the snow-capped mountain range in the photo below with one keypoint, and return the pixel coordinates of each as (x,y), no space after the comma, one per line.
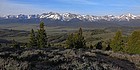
(70,16)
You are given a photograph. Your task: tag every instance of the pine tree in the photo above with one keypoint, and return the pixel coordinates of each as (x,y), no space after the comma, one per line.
(80,42)
(117,42)
(33,40)
(133,45)
(70,41)
(76,40)
(80,32)
(41,36)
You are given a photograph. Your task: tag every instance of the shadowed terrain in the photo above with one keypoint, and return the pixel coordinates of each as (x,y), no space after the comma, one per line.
(61,58)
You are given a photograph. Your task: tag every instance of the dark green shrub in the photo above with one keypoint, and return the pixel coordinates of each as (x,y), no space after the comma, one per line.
(15,44)
(99,46)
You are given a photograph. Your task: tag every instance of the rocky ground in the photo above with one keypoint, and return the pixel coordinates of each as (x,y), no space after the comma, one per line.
(66,59)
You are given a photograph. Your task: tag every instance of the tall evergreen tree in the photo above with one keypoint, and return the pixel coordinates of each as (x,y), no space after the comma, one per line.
(133,45)
(117,42)
(76,40)
(33,40)
(41,36)
(80,32)
(80,39)
(70,41)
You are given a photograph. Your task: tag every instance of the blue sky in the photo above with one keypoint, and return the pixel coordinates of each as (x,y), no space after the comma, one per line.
(91,7)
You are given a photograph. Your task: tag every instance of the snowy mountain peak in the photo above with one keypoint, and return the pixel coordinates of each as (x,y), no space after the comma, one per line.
(51,15)
(127,17)
(70,16)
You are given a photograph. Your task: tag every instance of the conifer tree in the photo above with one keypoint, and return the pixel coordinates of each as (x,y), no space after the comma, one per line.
(33,40)
(133,45)
(70,41)
(117,42)
(76,40)
(41,36)
(80,42)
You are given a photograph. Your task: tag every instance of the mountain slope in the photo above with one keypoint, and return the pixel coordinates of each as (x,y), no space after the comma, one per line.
(69,19)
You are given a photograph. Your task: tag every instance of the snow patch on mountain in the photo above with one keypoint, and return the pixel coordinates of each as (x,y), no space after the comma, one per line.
(70,16)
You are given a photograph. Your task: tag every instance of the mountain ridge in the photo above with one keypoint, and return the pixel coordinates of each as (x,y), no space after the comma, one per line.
(70,16)
(69,19)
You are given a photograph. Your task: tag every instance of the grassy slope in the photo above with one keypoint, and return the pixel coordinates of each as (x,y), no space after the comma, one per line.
(55,32)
